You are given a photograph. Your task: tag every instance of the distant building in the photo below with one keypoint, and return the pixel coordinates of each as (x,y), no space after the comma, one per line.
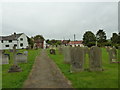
(76,43)
(39,43)
(65,42)
(19,40)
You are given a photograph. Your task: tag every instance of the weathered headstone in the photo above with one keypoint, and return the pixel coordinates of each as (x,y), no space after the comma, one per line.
(21,58)
(5,59)
(60,49)
(95,57)
(86,50)
(118,54)
(52,51)
(14,67)
(67,55)
(112,54)
(77,59)
(25,53)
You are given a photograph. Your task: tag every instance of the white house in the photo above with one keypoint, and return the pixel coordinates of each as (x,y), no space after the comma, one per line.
(19,40)
(76,43)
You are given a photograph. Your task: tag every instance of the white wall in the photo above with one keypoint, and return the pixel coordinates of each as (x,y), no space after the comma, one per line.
(25,43)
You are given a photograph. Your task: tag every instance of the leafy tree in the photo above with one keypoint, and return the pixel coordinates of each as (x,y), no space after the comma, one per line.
(89,38)
(30,41)
(114,38)
(101,36)
(118,38)
(39,37)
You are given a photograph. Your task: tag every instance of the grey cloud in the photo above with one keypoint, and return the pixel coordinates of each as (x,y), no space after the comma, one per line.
(60,20)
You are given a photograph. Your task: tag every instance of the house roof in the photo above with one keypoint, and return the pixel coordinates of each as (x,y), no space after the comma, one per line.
(75,42)
(11,37)
(65,41)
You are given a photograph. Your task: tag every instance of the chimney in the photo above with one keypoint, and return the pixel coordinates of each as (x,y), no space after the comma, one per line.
(14,33)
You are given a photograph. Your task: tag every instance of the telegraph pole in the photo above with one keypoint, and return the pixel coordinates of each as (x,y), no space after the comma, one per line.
(74,39)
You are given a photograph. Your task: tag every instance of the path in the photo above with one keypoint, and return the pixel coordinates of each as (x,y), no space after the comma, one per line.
(46,74)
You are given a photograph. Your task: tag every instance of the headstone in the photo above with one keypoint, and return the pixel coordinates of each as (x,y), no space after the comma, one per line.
(52,51)
(5,59)
(86,50)
(118,54)
(60,49)
(95,59)
(21,58)
(26,53)
(77,59)
(112,54)
(67,56)
(14,67)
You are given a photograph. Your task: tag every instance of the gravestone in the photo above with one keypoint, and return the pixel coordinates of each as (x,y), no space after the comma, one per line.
(112,54)
(14,67)
(60,49)
(4,59)
(95,59)
(86,50)
(67,56)
(118,54)
(25,53)
(21,58)
(77,59)
(52,51)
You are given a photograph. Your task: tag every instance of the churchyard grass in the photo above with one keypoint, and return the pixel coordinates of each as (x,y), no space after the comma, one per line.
(16,79)
(85,79)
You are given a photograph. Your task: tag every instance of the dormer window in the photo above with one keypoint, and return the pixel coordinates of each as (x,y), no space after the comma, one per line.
(10,41)
(21,39)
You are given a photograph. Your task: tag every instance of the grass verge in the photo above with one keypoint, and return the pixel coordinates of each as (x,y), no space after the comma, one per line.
(16,79)
(105,79)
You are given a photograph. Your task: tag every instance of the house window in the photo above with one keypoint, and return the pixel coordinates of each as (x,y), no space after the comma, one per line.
(1,41)
(10,41)
(15,44)
(21,39)
(7,45)
(21,44)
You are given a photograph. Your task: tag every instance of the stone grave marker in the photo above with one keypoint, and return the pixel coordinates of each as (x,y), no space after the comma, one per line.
(60,49)
(86,50)
(95,59)
(25,53)
(67,56)
(5,59)
(21,58)
(112,54)
(52,51)
(77,59)
(14,67)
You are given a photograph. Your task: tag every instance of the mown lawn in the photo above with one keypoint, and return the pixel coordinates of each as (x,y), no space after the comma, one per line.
(16,79)
(105,79)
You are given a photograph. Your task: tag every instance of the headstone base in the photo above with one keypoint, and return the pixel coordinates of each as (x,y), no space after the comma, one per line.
(96,69)
(15,68)
(73,69)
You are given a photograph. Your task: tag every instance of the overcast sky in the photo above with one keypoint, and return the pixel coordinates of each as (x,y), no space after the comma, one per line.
(59,20)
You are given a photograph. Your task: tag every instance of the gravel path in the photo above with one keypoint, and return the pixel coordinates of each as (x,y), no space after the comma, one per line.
(46,74)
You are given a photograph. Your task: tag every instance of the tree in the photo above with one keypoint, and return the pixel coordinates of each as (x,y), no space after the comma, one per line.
(39,37)
(118,38)
(89,38)
(30,41)
(101,36)
(114,38)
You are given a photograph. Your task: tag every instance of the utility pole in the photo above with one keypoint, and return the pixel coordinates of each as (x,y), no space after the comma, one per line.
(74,39)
